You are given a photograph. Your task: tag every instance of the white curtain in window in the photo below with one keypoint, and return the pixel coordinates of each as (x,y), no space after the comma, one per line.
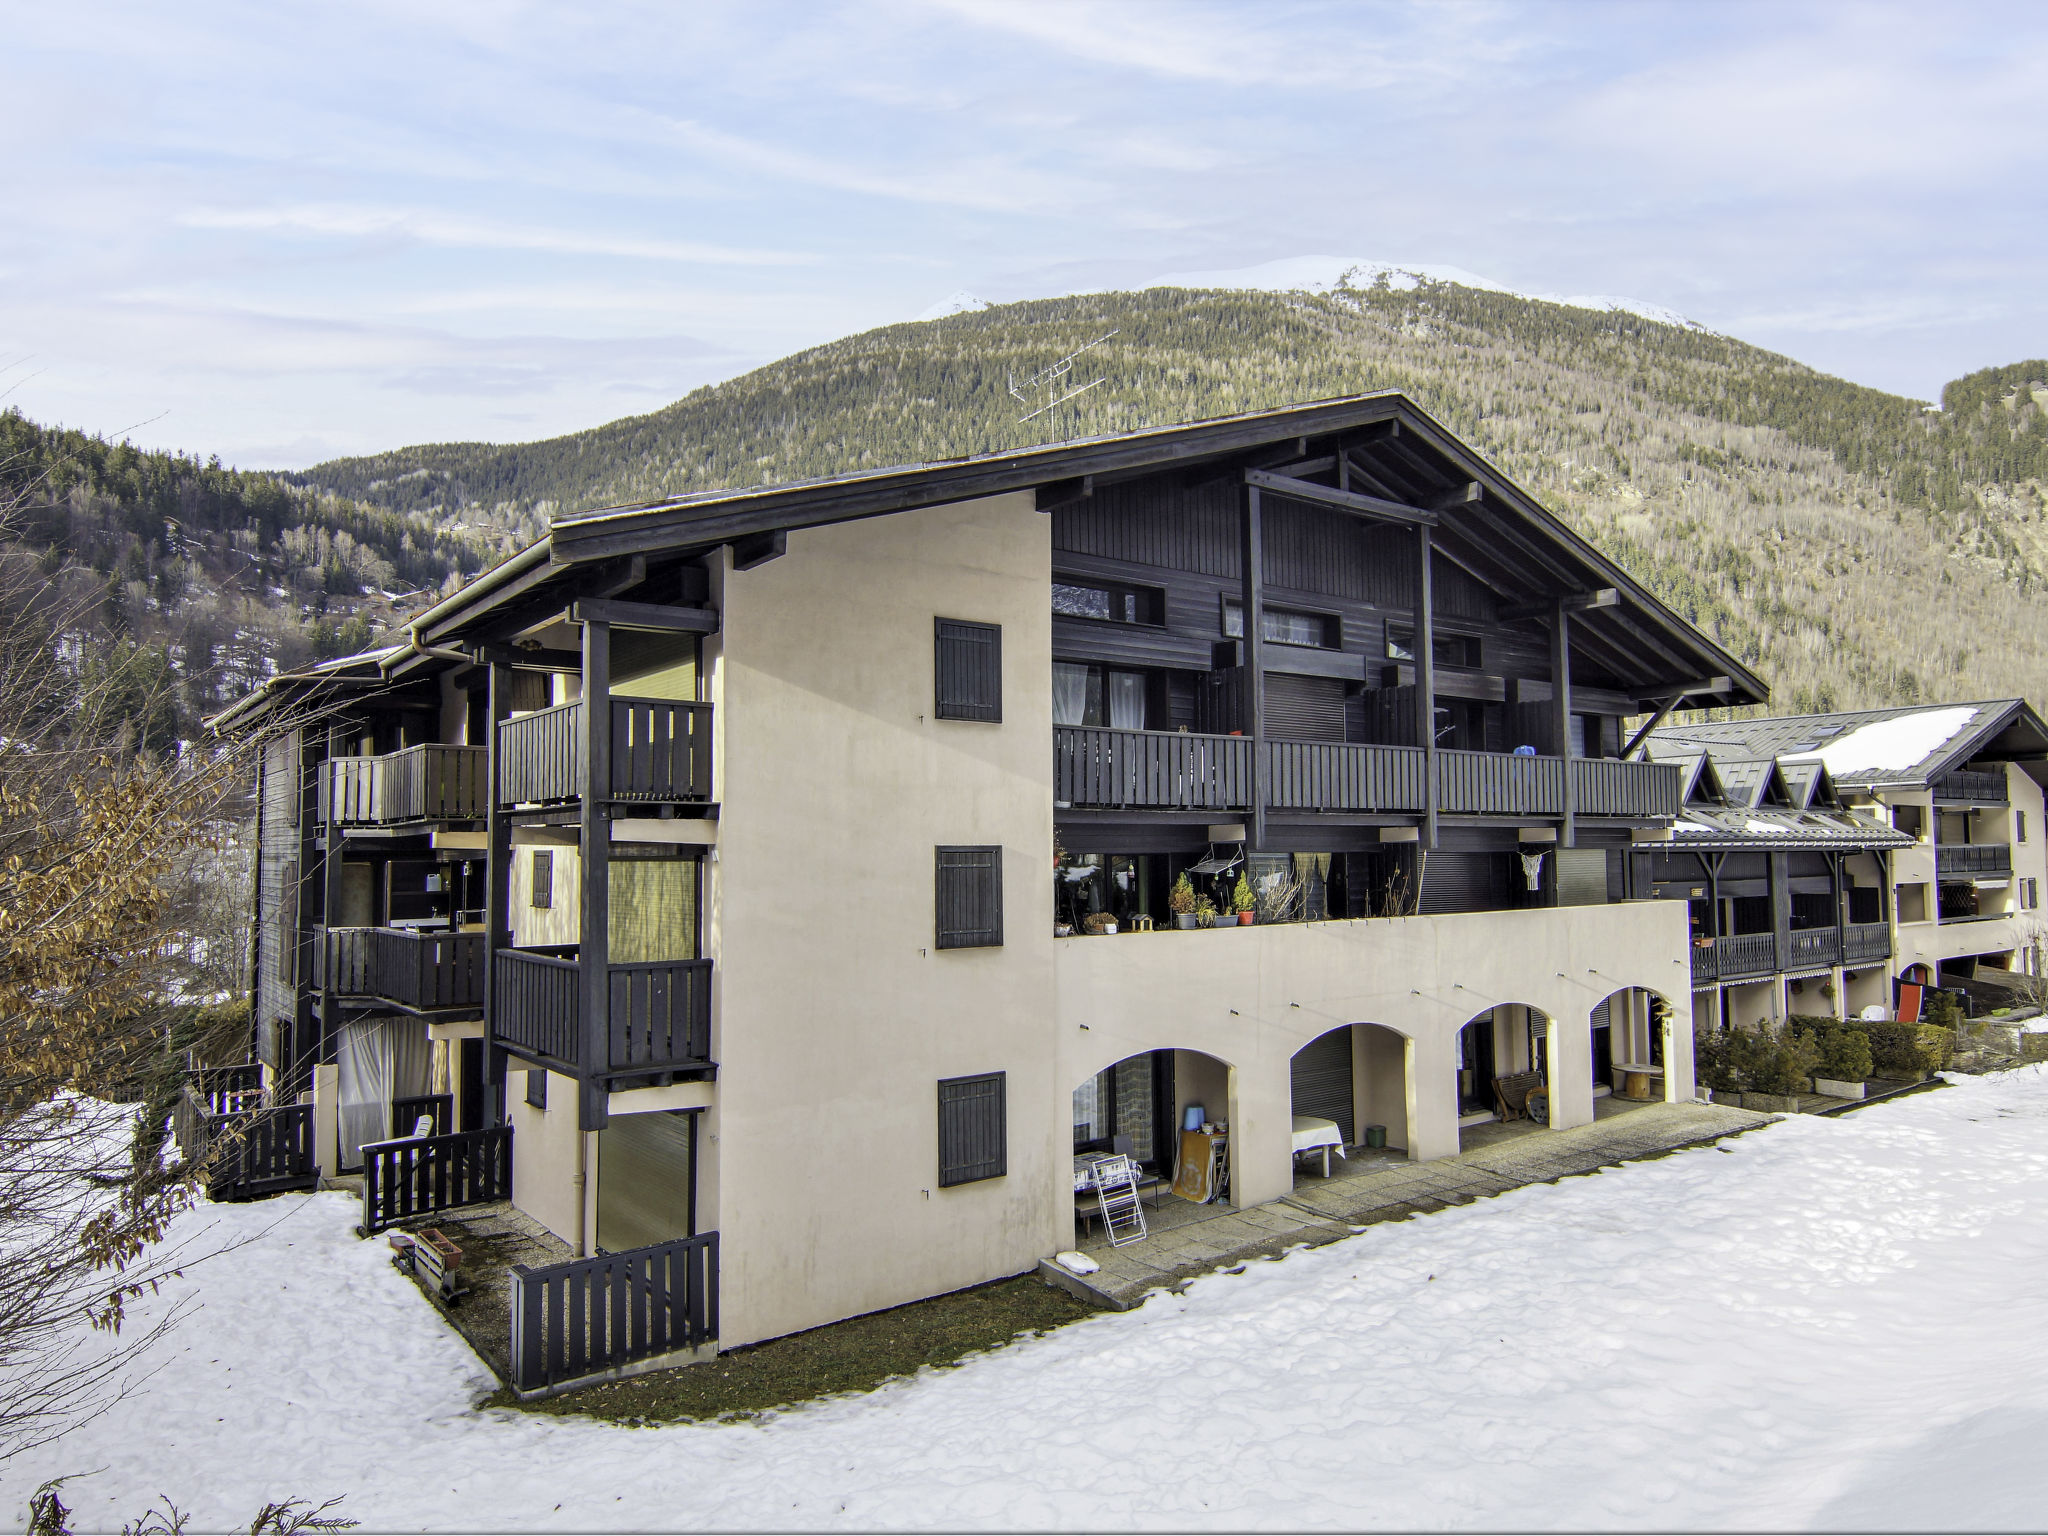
(363,1055)
(1069,693)
(1127,701)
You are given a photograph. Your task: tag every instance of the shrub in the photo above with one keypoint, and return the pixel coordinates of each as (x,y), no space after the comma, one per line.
(1182,897)
(1241,898)
(1908,1050)
(1710,1061)
(1844,1054)
(1764,1058)
(1943,1011)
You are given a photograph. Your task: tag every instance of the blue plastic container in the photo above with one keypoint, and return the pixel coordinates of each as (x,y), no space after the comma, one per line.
(1192,1121)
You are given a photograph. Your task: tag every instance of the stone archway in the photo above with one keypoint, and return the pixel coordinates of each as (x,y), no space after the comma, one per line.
(1356,1078)
(1140,1104)
(1630,1031)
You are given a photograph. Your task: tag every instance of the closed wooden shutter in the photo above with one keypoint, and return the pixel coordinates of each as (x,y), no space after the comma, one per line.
(973,1136)
(970,897)
(968,666)
(1463,882)
(1304,708)
(1321,1073)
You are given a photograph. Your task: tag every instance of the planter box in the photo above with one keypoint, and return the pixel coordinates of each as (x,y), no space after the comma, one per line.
(1837,1090)
(1771,1103)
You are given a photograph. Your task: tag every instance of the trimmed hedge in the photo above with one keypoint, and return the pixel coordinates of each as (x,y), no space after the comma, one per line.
(1896,1050)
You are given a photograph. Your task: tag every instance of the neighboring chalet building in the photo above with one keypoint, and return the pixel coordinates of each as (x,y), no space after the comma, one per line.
(1828,856)
(749,854)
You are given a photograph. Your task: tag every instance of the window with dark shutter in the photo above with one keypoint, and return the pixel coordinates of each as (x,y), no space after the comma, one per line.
(543,878)
(537,1089)
(969,671)
(973,1141)
(970,897)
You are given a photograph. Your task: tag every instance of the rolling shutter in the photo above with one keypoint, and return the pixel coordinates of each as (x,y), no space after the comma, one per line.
(1304,708)
(970,897)
(1581,877)
(1321,1073)
(968,666)
(973,1140)
(1463,882)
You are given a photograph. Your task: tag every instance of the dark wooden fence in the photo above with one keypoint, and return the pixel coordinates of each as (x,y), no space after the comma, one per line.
(1865,943)
(1813,946)
(1166,770)
(536,1006)
(247,1153)
(589,1318)
(540,756)
(661,750)
(1344,776)
(1970,786)
(660,1016)
(1973,859)
(1499,784)
(1610,786)
(422,969)
(229,1090)
(1735,957)
(417,1176)
(432,782)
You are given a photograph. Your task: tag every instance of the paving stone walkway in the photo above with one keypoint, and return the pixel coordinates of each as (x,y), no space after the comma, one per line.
(1187,1241)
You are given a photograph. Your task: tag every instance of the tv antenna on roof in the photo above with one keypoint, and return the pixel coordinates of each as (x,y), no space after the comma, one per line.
(1052,380)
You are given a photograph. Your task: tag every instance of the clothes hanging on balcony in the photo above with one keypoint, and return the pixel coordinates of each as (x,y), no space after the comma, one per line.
(377,1062)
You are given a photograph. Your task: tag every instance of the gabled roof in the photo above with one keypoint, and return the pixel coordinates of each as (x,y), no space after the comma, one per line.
(1907,746)
(1733,801)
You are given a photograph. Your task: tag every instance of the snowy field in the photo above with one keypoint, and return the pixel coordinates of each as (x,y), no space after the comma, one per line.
(1822,1324)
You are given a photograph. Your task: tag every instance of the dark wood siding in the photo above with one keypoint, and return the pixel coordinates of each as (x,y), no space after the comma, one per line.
(1321,1073)
(970,897)
(968,670)
(973,1134)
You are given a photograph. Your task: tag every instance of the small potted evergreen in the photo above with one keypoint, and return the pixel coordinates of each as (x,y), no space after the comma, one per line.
(1245,902)
(1182,900)
(1205,912)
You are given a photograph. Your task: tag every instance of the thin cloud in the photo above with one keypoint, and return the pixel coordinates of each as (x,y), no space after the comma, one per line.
(356,221)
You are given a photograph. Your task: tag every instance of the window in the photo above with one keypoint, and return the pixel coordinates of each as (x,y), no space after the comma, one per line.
(2019,826)
(537,1089)
(1911,820)
(1086,693)
(543,894)
(1449,650)
(973,1141)
(970,897)
(968,671)
(1113,601)
(1287,626)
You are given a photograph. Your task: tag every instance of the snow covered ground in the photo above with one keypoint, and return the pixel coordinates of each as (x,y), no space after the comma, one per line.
(1826,1323)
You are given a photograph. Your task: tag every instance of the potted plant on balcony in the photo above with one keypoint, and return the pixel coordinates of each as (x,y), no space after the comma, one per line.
(1205,912)
(1244,901)
(1182,900)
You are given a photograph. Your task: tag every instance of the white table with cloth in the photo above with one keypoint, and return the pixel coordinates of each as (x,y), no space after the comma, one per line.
(1314,1134)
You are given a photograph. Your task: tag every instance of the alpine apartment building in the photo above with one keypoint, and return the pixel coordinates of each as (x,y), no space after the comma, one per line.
(804,864)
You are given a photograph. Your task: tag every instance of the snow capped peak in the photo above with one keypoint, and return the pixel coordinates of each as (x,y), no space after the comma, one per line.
(1324,274)
(958,302)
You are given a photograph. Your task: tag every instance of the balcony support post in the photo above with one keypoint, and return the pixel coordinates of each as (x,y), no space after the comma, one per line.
(330,903)
(593,947)
(497,880)
(1252,559)
(1425,681)
(1561,709)
(1780,865)
(1836,876)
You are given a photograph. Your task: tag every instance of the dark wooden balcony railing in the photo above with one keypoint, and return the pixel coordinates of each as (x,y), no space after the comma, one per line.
(1152,770)
(1179,771)
(1812,946)
(1736,957)
(660,753)
(586,1319)
(1344,776)
(433,782)
(423,970)
(1866,943)
(1970,786)
(658,1013)
(1973,859)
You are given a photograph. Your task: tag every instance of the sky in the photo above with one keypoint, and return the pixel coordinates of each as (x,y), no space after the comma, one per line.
(286,233)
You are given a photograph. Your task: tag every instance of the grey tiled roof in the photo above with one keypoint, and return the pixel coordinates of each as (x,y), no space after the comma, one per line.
(1946,743)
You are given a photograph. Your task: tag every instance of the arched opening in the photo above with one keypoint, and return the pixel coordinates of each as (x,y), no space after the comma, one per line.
(1502,1057)
(1168,1111)
(1627,1051)
(1350,1102)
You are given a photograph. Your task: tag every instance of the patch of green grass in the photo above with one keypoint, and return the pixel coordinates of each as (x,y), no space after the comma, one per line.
(857,1355)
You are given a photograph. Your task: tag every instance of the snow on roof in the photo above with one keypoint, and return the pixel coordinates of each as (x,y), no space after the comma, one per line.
(1896,745)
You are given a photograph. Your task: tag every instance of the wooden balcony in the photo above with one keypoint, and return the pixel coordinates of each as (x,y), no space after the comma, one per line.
(1866,944)
(657,1017)
(1968,859)
(660,753)
(1810,948)
(433,782)
(416,969)
(1100,769)
(1970,786)
(1736,957)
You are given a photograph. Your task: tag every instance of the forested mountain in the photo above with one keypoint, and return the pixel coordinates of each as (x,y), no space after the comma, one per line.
(1856,547)
(195,581)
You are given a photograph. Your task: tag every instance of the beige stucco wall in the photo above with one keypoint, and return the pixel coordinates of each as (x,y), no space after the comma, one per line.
(547,1154)
(1252,997)
(1931,942)
(835,1016)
